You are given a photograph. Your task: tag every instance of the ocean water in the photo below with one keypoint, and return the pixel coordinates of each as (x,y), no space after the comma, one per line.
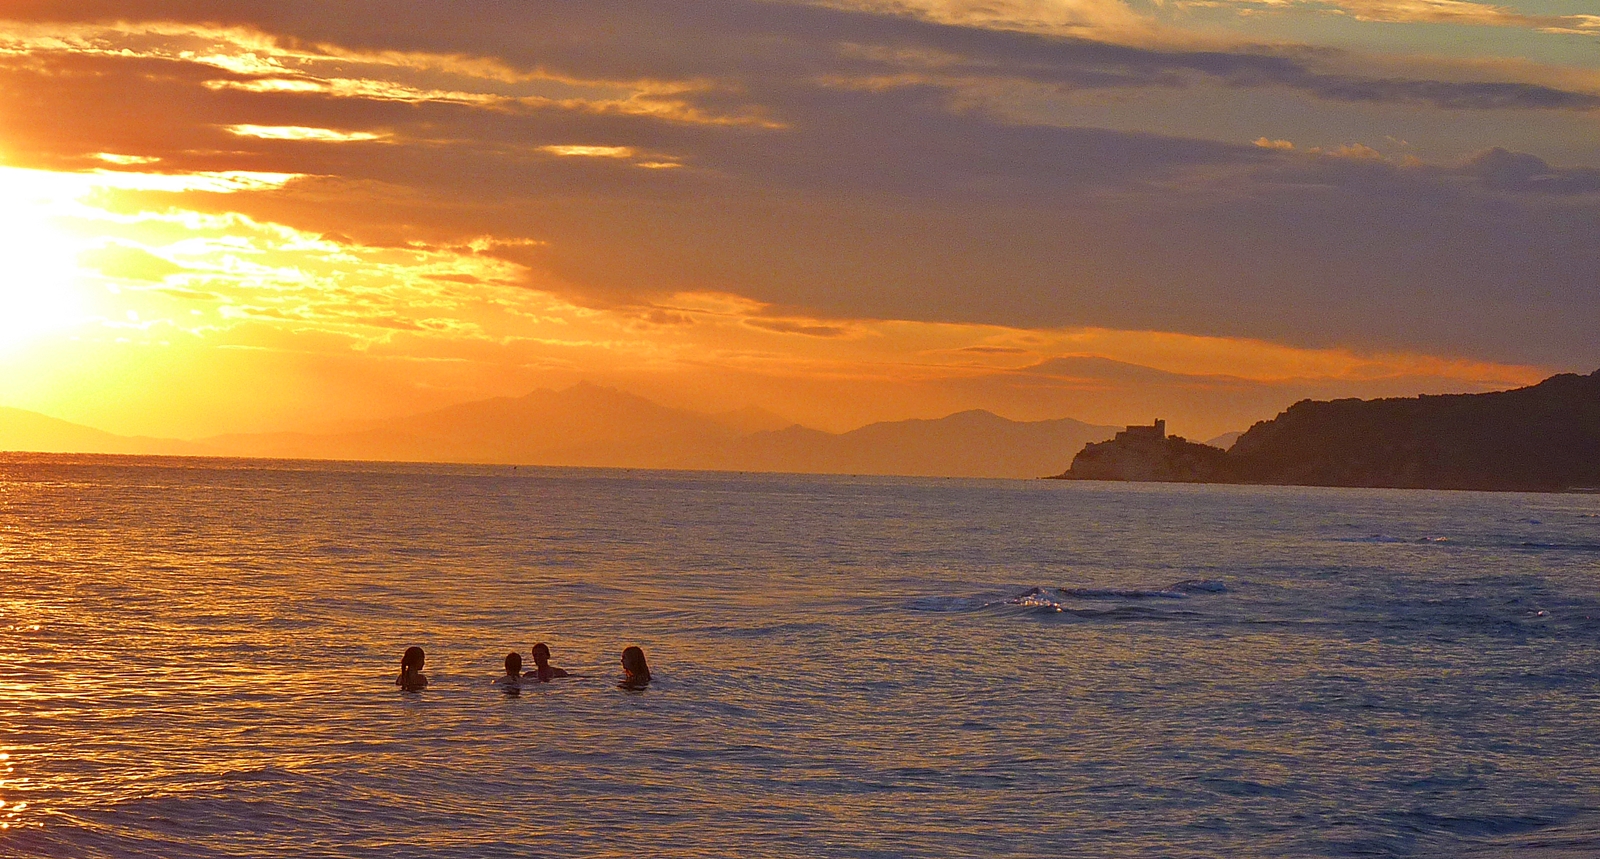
(197,659)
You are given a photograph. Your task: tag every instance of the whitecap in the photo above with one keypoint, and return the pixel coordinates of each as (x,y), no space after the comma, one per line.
(1040,598)
(1210,586)
(1123,594)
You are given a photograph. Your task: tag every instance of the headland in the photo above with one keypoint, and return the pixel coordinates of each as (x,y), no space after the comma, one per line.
(1543,438)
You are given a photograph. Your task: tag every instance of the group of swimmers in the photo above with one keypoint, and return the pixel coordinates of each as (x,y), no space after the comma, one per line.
(635,671)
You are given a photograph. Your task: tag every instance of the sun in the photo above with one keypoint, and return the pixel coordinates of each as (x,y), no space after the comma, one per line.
(41,283)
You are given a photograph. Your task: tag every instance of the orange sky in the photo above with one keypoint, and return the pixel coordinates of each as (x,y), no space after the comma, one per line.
(274,218)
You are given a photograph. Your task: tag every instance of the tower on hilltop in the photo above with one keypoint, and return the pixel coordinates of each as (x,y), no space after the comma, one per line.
(1154,432)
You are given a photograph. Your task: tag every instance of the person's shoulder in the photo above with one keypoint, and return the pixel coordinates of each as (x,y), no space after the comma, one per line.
(559,672)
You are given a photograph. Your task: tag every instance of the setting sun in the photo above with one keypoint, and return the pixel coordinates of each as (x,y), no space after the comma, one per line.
(42,290)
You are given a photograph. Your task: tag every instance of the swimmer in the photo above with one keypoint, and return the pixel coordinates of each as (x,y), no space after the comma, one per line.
(513,669)
(543,671)
(635,671)
(411,679)
(511,681)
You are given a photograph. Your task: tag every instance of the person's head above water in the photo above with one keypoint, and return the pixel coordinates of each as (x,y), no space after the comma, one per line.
(513,664)
(411,670)
(635,671)
(542,669)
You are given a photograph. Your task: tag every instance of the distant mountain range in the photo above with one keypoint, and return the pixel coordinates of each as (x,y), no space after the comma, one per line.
(1544,437)
(25,430)
(974,443)
(588,425)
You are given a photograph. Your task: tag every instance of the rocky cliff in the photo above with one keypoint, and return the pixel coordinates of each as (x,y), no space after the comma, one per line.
(1170,459)
(1542,437)
(1545,437)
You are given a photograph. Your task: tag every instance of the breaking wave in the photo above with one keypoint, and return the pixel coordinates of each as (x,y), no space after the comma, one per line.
(1072,599)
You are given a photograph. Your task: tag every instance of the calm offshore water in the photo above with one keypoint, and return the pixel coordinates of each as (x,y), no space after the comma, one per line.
(196,659)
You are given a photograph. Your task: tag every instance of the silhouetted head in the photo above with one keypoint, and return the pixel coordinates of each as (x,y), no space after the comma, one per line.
(514,664)
(634,666)
(541,654)
(412,661)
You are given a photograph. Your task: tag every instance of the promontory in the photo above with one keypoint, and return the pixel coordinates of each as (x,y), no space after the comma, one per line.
(1544,437)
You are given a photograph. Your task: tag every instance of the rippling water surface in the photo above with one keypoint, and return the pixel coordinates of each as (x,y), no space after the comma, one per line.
(196,659)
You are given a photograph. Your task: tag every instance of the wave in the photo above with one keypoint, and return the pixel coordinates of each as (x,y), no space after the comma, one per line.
(946,604)
(1206,586)
(1559,547)
(1386,538)
(1053,599)
(1123,594)
(1035,598)
(1488,541)
(1175,591)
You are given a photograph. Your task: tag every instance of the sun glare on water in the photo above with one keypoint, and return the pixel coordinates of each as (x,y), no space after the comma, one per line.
(41,284)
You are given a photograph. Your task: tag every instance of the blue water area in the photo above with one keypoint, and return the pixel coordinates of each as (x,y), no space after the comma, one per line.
(197,659)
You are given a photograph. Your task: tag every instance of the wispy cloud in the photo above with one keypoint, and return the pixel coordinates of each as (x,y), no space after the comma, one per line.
(588,151)
(301,132)
(1463,12)
(1055,17)
(812,195)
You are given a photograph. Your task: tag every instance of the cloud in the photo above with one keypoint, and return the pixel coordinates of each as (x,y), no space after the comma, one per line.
(125,160)
(1432,12)
(582,151)
(189,283)
(1520,172)
(1197,404)
(789,326)
(301,132)
(1056,17)
(132,263)
(1450,95)
(932,163)
(995,350)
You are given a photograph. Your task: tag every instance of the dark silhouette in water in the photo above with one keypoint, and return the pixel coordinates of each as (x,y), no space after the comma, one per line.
(543,671)
(411,678)
(635,671)
(511,681)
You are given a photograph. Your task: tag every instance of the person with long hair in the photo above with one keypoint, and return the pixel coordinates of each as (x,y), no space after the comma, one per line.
(511,681)
(411,678)
(513,668)
(635,671)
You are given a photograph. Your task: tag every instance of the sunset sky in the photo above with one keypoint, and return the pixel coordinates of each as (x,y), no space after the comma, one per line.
(235,216)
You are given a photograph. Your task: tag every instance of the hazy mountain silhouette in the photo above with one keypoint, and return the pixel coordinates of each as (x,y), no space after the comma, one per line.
(595,426)
(30,431)
(752,419)
(1225,440)
(582,425)
(974,443)
(589,425)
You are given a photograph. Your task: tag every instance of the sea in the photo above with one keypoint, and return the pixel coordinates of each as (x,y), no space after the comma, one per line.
(197,659)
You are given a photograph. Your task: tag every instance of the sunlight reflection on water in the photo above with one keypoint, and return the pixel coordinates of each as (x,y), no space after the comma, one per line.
(198,660)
